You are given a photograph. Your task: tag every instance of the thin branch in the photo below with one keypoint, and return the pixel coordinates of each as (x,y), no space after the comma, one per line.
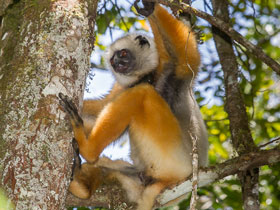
(122,19)
(195,173)
(270,142)
(268,37)
(194,140)
(100,67)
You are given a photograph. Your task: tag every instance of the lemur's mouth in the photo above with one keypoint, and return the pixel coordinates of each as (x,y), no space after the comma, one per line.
(123,61)
(121,67)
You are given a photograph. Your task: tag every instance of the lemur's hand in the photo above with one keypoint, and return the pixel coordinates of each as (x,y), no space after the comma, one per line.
(71,109)
(148,7)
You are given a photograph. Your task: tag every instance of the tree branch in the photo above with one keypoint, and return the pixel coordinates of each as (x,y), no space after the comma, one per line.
(235,107)
(255,50)
(230,167)
(270,142)
(111,196)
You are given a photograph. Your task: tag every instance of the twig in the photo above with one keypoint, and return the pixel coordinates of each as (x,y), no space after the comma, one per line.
(122,19)
(195,173)
(100,67)
(270,142)
(193,137)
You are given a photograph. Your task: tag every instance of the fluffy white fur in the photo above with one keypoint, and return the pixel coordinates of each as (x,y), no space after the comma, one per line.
(147,58)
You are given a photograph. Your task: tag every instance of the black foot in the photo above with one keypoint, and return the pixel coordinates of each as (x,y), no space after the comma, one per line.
(148,8)
(77,159)
(146,180)
(70,108)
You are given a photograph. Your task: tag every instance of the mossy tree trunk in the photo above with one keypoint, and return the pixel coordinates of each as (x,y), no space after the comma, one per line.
(242,139)
(45,47)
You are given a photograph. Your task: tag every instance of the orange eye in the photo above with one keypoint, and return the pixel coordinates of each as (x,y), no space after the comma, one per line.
(123,53)
(112,61)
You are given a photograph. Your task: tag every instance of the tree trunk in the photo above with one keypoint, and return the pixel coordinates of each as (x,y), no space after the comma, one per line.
(235,107)
(44,49)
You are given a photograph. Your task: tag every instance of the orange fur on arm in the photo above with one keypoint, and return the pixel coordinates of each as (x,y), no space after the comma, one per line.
(93,107)
(174,41)
(110,124)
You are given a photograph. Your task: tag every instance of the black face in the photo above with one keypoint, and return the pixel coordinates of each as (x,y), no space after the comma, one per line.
(123,61)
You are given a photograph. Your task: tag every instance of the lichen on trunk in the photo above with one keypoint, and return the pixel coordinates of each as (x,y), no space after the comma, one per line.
(45,48)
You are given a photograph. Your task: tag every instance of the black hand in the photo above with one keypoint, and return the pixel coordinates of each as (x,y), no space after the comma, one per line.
(70,108)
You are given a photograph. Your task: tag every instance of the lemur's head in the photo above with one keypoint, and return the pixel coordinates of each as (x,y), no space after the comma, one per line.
(131,57)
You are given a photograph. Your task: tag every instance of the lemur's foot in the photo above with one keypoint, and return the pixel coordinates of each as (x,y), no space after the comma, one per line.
(148,8)
(77,159)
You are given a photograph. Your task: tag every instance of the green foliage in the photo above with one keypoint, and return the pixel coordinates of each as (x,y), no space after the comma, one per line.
(218,131)
(259,23)
(5,203)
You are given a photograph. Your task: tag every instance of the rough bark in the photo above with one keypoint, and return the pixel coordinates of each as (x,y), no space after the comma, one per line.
(235,107)
(45,47)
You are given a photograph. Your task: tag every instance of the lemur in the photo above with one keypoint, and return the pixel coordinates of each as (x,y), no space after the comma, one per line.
(153,99)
